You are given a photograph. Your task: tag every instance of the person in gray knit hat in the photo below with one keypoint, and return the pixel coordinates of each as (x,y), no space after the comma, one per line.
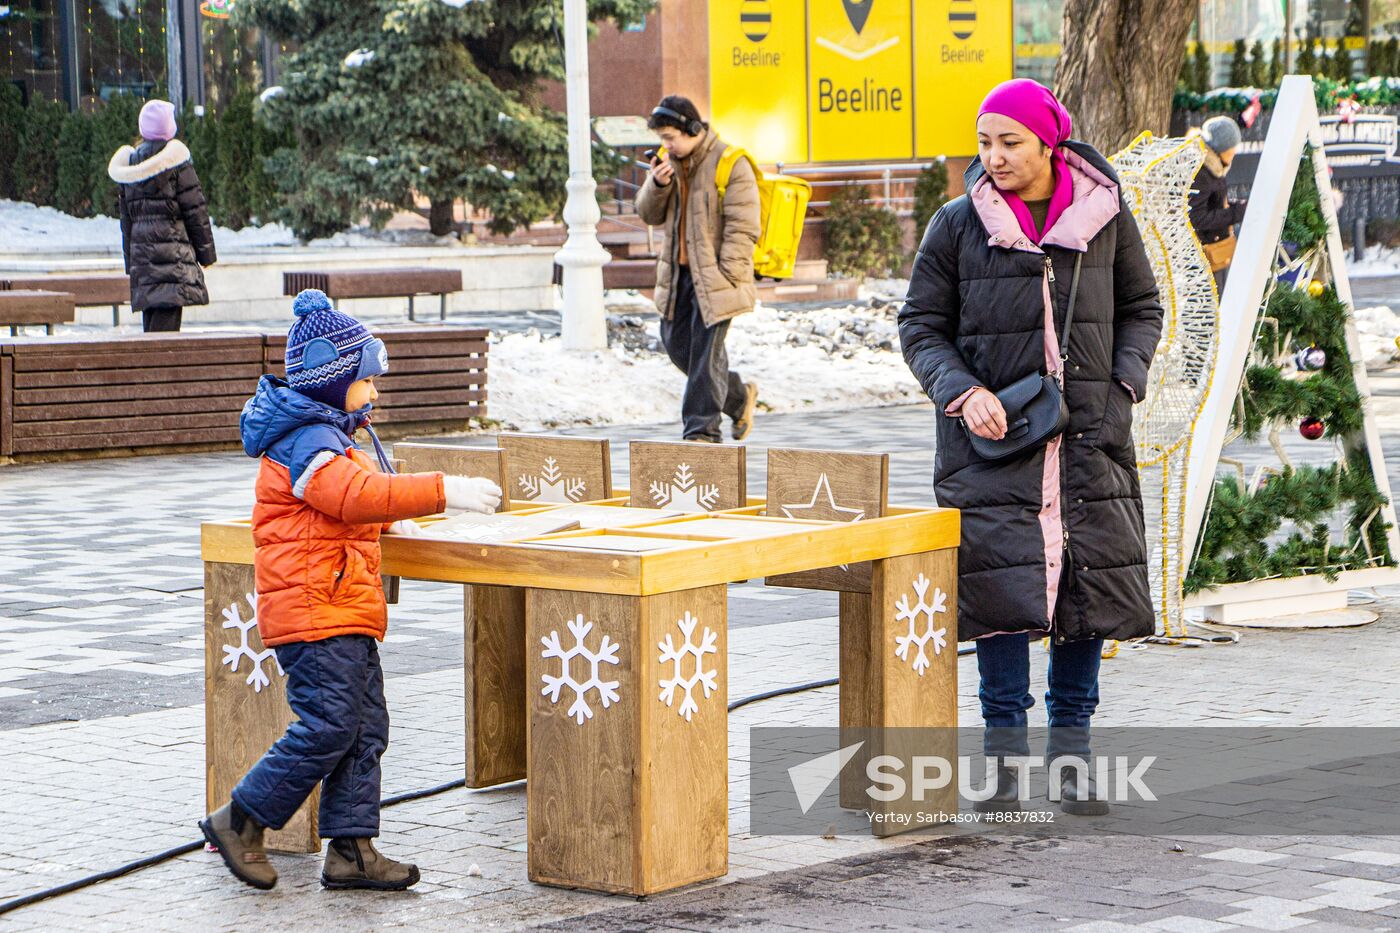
(1213,214)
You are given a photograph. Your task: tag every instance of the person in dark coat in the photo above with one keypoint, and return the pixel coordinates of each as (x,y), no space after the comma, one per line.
(1053,539)
(1213,214)
(166,235)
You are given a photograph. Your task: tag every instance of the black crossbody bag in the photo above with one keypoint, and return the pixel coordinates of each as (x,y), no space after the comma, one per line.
(1036,412)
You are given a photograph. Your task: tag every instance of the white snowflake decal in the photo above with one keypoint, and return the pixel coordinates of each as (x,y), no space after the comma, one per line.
(606,654)
(924,611)
(699,676)
(234,654)
(683,493)
(552,486)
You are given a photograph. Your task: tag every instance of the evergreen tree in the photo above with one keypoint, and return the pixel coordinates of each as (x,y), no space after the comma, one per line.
(1204,72)
(1307,60)
(1276,64)
(1258,66)
(114,126)
(387,100)
(1239,66)
(1392,57)
(11,129)
(36,162)
(1341,62)
(930,192)
(73,187)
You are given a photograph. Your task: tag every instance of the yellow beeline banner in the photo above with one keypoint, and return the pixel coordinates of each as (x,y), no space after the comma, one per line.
(855,80)
(860,90)
(758,76)
(962,49)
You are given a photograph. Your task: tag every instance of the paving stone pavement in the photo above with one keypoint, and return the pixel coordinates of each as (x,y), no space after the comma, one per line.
(100,713)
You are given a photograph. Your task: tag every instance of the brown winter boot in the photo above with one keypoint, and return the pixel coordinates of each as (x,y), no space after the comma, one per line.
(239,839)
(744,423)
(356,863)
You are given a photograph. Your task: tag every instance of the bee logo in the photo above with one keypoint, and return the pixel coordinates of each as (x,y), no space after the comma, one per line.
(962,18)
(756,19)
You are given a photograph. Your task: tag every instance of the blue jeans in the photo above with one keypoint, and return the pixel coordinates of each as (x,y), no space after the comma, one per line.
(336,689)
(1004,667)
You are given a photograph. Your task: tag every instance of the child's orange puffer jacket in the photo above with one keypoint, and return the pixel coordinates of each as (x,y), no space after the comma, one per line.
(321,505)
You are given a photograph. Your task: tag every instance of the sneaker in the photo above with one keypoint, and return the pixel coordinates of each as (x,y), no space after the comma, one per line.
(744,423)
(356,863)
(239,841)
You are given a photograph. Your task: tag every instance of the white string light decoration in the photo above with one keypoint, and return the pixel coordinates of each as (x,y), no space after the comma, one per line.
(1156,176)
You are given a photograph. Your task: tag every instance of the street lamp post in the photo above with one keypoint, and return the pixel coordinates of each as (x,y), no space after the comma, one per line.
(582,256)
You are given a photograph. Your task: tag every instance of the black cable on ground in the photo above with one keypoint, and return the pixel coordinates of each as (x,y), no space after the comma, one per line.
(188,847)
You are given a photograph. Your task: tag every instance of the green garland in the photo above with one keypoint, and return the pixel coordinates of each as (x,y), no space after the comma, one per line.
(1372,92)
(1235,545)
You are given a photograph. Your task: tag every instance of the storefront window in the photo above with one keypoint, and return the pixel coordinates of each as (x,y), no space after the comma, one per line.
(1222,22)
(121,49)
(232,60)
(31,50)
(1038,38)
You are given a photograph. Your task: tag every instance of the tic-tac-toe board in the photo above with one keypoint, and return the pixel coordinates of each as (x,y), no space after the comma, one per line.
(617,629)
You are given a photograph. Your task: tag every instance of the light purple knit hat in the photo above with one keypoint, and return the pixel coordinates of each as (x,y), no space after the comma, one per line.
(157,120)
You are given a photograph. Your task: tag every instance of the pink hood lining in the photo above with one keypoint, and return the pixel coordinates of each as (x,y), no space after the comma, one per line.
(1095,204)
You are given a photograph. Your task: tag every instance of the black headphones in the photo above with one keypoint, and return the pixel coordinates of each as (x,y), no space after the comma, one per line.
(691,127)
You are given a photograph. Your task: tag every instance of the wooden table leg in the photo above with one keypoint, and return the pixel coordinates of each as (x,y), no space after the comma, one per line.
(629,745)
(495,687)
(913,676)
(245,699)
(854,699)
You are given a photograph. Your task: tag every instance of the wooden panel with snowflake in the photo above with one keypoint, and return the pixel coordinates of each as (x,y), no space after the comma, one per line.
(546,468)
(688,477)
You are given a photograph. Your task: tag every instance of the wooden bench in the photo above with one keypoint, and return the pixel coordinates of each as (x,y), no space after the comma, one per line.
(85,394)
(436,375)
(88,291)
(22,308)
(379,283)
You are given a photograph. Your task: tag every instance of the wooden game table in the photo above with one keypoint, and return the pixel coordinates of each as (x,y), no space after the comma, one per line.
(596,659)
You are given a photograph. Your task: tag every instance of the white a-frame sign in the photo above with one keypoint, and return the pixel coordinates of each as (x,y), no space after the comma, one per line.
(1293,132)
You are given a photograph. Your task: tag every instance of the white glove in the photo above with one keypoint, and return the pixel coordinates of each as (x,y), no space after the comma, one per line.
(406,527)
(471,494)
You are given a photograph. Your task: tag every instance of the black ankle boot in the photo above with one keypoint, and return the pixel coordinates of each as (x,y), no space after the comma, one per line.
(1007,798)
(1081,796)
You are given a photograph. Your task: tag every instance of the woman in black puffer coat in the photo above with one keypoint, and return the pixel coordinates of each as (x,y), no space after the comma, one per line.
(1052,540)
(166,235)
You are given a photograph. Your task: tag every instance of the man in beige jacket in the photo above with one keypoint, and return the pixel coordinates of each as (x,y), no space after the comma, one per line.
(704,276)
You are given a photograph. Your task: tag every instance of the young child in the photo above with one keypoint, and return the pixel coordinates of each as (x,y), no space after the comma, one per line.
(321,505)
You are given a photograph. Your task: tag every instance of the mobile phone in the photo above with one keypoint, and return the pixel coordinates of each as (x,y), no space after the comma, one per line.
(650,156)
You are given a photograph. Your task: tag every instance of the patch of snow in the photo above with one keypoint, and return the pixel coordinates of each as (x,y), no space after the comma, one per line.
(821,360)
(1379,260)
(359,58)
(372,161)
(274,91)
(1377,329)
(26,229)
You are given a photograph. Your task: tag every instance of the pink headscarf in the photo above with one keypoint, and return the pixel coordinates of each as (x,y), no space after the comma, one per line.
(1032,105)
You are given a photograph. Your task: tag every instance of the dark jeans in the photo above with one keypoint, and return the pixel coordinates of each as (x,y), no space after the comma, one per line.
(161,319)
(698,351)
(336,689)
(1004,667)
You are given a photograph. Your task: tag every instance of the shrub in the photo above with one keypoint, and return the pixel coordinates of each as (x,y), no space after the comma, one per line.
(36,162)
(73,185)
(862,239)
(930,192)
(12,114)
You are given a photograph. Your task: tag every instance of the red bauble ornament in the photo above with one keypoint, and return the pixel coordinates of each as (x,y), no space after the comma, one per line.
(1312,428)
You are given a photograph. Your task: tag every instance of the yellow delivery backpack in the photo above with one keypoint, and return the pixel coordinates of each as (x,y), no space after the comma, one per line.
(782,203)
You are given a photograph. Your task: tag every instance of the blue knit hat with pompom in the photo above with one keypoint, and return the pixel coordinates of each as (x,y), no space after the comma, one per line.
(328,351)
